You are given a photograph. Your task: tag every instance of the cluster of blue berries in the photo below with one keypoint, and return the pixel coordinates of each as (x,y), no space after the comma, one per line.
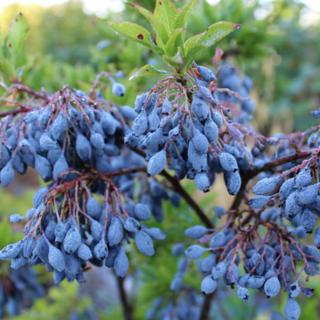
(191,131)
(98,195)
(65,235)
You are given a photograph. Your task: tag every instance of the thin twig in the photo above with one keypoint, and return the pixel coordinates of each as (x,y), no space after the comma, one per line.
(127,307)
(184,194)
(23,88)
(22,109)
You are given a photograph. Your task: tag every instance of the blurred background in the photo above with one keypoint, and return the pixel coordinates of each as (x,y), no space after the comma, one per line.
(69,42)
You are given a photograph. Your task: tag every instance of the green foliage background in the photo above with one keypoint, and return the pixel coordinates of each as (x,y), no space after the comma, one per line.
(276,46)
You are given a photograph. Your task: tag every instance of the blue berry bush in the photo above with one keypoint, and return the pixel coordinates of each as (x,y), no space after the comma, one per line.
(109,169)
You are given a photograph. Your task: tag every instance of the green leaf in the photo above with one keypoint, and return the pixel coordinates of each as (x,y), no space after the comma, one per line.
(15,40)
(17,31)
(217,32)
(133,31)
(192,43)
(177,61)
(148,70)
(166,13)
(174,42)
(158,27)
(181,20)
(208,38)
(7,69)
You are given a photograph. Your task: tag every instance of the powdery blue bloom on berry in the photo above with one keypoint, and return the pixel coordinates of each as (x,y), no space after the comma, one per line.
(219,270)
(195,251)
(211,131)
(84,252)
(97,140)
(131,224)
(200,108)
(206,74)
(258,202)
(72,267)
(233,182)
(42,249)
(292,310)
(140,124)
(204,93)
(10,251)
(128,112)
(46,142)
(309,220)
(100,250)
(202,181)
(228,161)
(294,290)
(267,186)
(155,233)
(176,282)
(218,240)
(142,211)
(157,163)
(292,207)
(242,293)
(93,207)
(109,123)
(198,161)
(53,155)
(15,218)
(196,232)
(200,142)
(39,196)
(272,287)
(115,232)
(307,195)
(83,147)
(72,240)
(303,178)
(166,106)
(255,282)
(61,230)
(121,263)
(59,126)
(56,258)
(144,243)
(60,167)
(217,118)
(139,102)
(7,174)
(177,249)
(4,155)
(207,263)
(43,167)
(153,120)
(118,89)
(96,229)
(208,285)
